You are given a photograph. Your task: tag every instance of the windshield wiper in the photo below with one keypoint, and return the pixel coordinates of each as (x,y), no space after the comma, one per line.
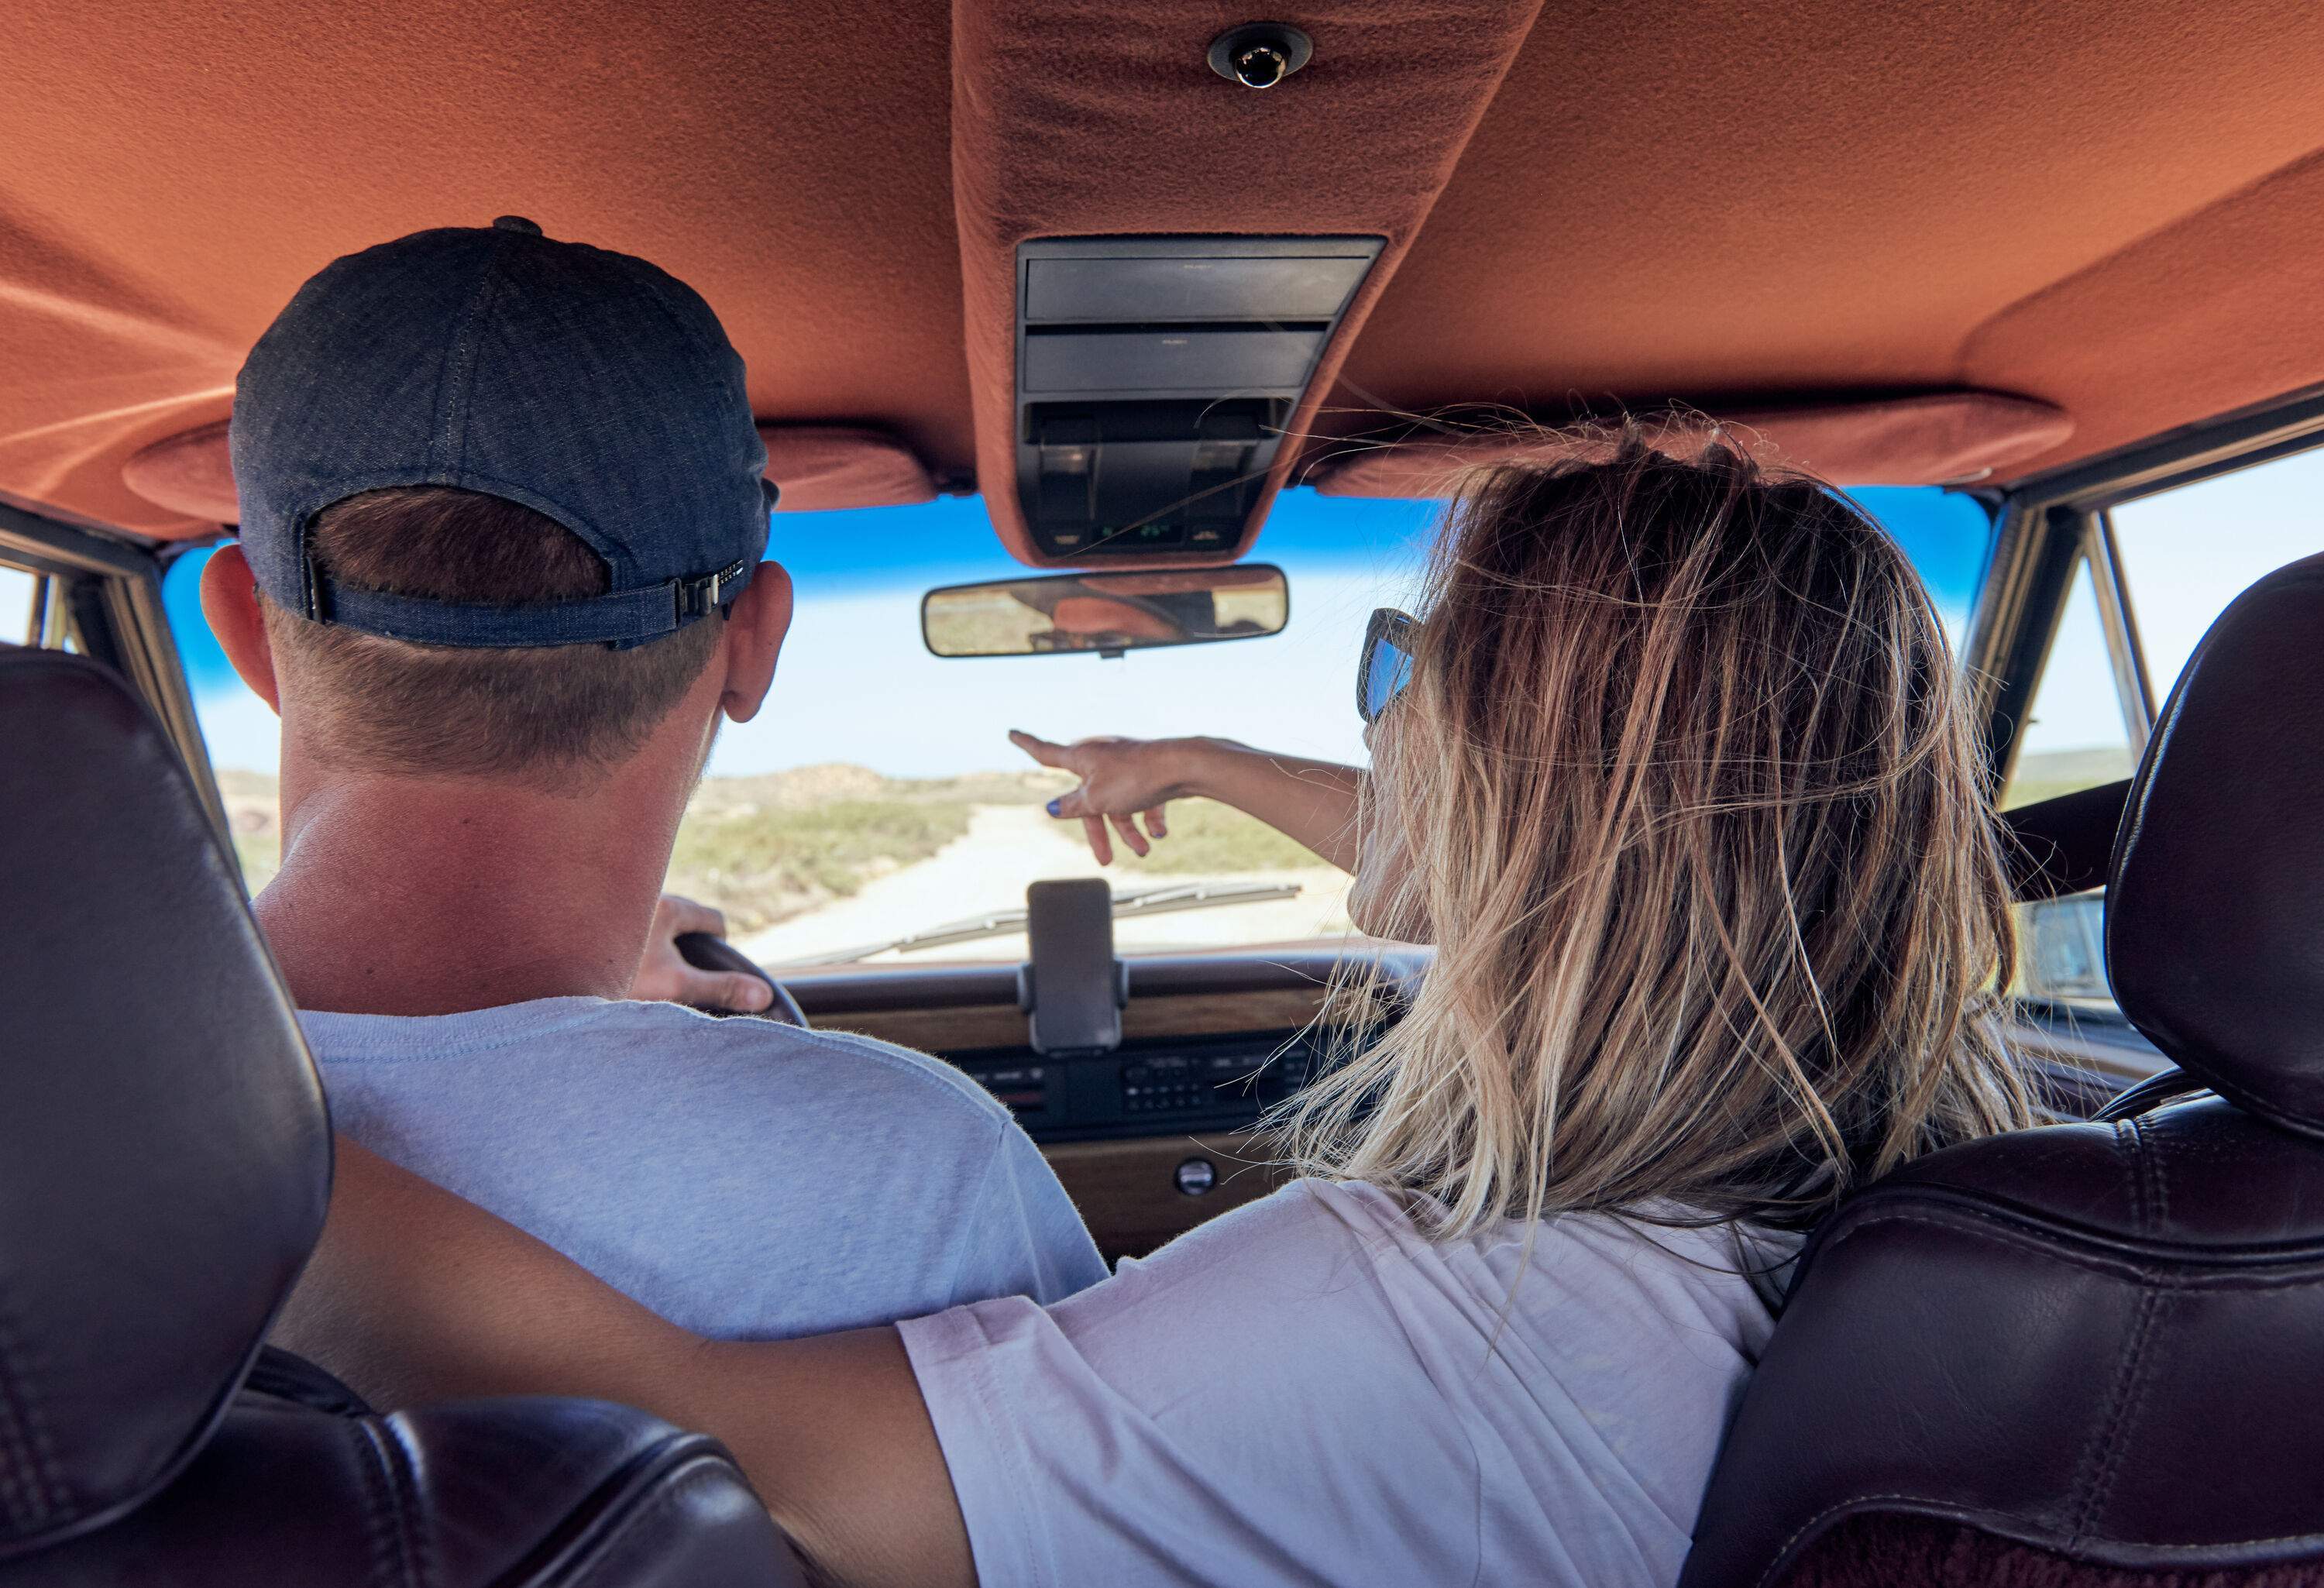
(1001,923)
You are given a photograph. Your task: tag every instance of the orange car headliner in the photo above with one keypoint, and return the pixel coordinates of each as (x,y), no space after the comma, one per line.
(2115,207)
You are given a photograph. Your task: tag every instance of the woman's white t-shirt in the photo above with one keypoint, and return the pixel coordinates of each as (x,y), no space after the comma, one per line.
(1305,1390)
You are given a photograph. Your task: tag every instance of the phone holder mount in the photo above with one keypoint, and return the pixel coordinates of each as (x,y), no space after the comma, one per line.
(1072,990)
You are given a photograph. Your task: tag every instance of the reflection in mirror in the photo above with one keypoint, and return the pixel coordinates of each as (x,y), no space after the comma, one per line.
(1107,613)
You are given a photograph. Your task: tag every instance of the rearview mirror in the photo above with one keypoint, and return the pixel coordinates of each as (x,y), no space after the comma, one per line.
(1105,612)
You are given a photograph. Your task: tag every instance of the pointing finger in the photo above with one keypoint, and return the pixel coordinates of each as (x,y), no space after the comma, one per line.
(1040,749)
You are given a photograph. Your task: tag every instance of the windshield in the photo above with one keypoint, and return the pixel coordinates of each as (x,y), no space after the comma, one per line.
(875,811)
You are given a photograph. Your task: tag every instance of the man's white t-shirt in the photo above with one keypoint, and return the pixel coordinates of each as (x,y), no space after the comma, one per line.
(1308,1392)
(742,1178)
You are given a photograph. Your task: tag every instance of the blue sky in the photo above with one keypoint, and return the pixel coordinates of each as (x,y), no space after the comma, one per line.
(2185,555)
(856,684)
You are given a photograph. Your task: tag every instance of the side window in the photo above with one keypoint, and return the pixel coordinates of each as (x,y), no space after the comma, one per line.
(2154,573)
(241,733)
(2083,730)
(2077,734)
(32,610)
(2186,553)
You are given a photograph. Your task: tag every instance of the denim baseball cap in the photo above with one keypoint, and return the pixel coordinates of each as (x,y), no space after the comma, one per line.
(585,384)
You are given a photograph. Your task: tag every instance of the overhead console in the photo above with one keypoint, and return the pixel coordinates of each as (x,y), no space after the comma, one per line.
(1156,377)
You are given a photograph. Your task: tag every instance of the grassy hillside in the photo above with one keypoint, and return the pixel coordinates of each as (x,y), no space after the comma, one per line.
(2063,771)
(759,848)
(250,811)
(1207,838)
(766,848)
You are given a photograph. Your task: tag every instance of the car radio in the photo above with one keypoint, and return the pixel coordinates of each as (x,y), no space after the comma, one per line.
(1143,1088)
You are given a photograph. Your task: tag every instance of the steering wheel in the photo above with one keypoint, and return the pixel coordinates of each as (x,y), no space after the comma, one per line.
(706,952)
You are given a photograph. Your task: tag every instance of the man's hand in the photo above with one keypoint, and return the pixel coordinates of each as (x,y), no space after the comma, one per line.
(664,976)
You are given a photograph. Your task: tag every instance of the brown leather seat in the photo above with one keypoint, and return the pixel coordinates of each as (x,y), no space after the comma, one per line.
(165,1163)
(2094,1354)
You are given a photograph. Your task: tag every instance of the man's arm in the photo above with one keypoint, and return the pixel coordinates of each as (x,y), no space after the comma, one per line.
(414,1295)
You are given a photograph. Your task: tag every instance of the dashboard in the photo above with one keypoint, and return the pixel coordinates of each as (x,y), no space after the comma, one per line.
(1153,1137)
(1156,1137)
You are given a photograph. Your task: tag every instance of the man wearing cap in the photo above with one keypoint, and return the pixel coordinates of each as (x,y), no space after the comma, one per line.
(502,510)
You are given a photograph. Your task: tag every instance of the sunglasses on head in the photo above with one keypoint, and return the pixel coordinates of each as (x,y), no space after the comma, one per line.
(1386,665)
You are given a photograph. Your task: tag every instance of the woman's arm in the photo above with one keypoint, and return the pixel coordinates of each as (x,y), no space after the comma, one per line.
(1311,802)
(415,1295)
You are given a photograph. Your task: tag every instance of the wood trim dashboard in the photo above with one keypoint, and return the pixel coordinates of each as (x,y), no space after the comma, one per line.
(1136,1187)
(1135,1194)
(951,1008)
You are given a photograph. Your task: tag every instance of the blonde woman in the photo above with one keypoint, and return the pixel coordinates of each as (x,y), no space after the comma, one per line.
(1673,772)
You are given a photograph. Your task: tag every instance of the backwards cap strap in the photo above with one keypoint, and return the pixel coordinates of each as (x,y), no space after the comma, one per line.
(622,618)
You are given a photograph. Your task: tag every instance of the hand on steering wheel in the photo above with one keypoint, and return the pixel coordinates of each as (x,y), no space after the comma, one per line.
(687,960)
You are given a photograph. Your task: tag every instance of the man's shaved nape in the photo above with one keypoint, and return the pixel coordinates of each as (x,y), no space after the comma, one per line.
(537,715)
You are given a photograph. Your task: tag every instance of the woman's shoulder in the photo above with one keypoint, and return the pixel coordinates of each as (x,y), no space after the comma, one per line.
(1576,1281)
(1385,1223)
(1317,1238)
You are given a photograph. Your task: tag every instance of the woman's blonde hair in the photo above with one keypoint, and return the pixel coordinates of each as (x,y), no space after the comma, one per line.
(1685,791)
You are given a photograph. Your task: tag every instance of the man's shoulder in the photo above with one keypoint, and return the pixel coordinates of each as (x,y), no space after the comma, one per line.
(799,1056)
(739,1054)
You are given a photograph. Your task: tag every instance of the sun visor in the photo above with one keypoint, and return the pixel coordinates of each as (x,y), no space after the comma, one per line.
(821,468)
(825,468)
(1951,437)
(189,473)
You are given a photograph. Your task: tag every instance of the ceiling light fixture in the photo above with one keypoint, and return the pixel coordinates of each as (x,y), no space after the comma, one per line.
(1260,54)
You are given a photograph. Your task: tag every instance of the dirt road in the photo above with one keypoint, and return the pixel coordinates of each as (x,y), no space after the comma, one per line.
(1009,845)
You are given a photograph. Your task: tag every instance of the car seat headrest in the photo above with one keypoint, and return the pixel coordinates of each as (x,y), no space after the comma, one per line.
(2215,907)
(164,1156)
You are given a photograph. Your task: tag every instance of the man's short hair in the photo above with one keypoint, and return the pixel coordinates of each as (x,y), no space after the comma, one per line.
(537,714)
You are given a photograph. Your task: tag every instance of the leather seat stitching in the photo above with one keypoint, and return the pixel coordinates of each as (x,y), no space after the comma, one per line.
(382,1502)
(417,1541)
(2152,1152)
(2124,1146)
(1949,1511)
(22,1509)
(2007,1232)
(2095,1468)
(2142,1152)
(39,1494)
(2150,1360)
(666,1495)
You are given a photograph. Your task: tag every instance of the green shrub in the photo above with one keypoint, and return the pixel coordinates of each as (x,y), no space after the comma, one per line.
(1207,838)
(761,865)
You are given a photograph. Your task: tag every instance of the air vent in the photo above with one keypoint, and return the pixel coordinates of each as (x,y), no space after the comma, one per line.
(1154,376)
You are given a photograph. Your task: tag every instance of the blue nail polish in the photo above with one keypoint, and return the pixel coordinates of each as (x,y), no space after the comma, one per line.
(1053,806)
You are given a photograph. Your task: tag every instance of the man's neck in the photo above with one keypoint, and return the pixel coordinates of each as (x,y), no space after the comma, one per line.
(424,896)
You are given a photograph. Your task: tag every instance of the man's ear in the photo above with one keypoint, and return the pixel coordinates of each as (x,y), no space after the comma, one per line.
(755,626)
(230,602)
